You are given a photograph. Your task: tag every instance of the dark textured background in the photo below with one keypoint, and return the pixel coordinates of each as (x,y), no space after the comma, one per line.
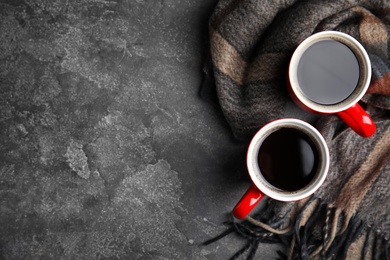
(106,149)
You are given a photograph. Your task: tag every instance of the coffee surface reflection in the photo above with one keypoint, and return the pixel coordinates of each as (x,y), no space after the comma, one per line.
(328,72)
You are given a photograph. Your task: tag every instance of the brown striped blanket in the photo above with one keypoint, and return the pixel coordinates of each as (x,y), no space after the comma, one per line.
(251,42)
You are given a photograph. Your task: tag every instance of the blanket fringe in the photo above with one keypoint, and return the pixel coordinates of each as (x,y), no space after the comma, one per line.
(314,230)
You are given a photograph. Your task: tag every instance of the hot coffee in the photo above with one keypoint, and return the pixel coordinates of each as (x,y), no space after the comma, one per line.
(328,72)
(288,159)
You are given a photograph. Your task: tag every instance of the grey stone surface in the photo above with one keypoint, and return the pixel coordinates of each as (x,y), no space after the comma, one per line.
(106,149)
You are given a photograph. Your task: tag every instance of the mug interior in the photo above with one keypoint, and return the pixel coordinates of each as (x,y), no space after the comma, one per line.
(260,181)
(364,71)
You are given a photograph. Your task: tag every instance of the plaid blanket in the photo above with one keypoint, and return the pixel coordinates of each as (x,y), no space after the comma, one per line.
(251,43)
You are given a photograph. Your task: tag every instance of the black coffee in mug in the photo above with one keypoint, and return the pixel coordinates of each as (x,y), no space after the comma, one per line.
(328,72)
(288,159)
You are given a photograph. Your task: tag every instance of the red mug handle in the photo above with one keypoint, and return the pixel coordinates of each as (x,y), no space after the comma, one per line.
(357,118)
(250,199)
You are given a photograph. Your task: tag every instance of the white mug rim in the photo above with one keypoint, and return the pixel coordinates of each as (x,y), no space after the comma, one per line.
(364,63)
(254,170)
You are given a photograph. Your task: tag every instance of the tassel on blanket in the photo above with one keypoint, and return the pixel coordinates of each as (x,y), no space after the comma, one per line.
(341,237)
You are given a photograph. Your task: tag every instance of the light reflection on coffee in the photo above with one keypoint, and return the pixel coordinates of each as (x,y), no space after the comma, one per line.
(328,72)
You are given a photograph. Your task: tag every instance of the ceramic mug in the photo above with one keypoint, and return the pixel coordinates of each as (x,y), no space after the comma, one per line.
(329,72)
(287,160)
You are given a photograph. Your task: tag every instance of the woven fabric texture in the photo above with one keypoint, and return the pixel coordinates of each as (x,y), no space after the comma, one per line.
(251,43)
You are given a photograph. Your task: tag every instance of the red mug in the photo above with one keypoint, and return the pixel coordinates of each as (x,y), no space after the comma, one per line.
(329,72)
(303,171)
